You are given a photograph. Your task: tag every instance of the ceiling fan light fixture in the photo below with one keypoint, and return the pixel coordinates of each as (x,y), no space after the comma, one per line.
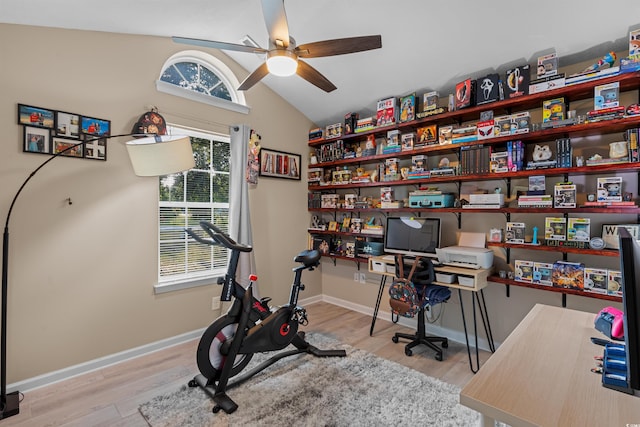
(282,63)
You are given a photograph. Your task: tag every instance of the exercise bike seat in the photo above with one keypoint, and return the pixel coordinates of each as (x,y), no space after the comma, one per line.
(308,257)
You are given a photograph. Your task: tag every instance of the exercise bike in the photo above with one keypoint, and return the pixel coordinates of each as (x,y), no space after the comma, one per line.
(250,326)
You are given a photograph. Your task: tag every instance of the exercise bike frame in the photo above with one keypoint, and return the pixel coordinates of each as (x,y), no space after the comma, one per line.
(259,329)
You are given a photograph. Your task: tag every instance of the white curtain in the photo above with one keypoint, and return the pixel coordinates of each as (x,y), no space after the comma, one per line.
(239,212)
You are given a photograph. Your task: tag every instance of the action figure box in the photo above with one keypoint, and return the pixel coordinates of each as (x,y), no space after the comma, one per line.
(430,101)
(333,131)
(407,108)
(485,129)
(555,228)
(554,110)
(568,275)
(445,134)
(564,196)
(523,271)
(542,272)
(595,280)
(502,125)
(427,135)
(408,141)
(614,283)
(350,121)
(418,163)
(515,232)
(609,189)
(516,81)
(465,94)
(578,229)
(487,89)
(386,112)
(606,96)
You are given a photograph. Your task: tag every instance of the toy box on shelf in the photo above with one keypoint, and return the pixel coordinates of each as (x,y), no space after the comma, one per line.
(445,134)
(606,96)
(487,89)
(465,94)
(350,121)
(595,280)
(407,108)
(554,110)
(386,112)
(578,232)
(427,135)
(564,195)
(542,272)
(515,232)
(609,189)
(430,101)
(568,275)
(333,131)
(614,283)
(555,230)
(523,270)
(517,81)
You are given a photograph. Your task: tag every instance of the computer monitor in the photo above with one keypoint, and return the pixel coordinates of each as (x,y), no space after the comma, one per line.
(630,268)
(412,236)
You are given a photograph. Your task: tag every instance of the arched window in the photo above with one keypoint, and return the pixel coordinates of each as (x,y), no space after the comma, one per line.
(203,78)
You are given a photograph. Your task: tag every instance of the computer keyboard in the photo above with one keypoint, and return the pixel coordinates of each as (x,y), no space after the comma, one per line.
(462,264)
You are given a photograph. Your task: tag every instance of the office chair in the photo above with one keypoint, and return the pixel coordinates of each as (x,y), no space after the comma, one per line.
(424,296)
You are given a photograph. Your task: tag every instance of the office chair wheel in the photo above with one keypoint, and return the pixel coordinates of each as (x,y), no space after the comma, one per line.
(408,351)
(439,357)
(445,344)
(192,383)
(216,409)
(394,339)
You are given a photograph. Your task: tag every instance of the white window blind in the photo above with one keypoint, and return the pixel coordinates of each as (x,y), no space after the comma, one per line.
(185,199)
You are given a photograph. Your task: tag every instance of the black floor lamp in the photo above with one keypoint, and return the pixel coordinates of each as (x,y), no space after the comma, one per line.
(150,156)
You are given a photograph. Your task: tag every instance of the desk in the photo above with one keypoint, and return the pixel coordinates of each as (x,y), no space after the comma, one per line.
(378,265)
(541,376)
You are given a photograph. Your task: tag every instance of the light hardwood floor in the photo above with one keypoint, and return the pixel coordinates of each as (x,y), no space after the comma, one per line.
(111,396)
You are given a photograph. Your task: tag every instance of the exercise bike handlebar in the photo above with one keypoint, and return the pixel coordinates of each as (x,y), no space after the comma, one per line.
(219,238)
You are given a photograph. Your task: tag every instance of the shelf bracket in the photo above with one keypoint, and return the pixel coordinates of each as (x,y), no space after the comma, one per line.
(507,288)
(564,300)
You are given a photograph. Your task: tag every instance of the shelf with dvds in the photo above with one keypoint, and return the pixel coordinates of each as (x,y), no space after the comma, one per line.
(359,156)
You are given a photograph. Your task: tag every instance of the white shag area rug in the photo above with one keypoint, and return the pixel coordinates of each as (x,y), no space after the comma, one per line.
(358,390)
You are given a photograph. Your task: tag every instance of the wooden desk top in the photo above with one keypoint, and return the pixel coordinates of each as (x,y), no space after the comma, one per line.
(541,375)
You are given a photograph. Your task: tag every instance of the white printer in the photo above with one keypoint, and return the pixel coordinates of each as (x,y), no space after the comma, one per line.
(469,253)
(465,256)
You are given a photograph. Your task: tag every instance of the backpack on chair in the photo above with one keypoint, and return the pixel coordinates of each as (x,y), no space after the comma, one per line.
(404,298)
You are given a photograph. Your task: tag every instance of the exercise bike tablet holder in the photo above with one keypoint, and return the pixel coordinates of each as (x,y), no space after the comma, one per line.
(250,326)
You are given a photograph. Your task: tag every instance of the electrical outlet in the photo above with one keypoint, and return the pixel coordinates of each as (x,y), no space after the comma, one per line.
(215,303)
(356,276)
(363,278)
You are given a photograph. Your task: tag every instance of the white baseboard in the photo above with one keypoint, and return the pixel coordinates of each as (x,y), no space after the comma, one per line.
(384,313)
(103,362)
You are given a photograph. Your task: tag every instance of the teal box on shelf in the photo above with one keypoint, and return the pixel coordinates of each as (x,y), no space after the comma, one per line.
(444,200)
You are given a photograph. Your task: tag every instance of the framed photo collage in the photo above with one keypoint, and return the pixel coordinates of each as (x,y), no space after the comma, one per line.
(51,132)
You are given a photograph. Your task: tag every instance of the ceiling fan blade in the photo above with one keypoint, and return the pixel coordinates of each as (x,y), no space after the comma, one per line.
(253,78)
(219,45)
(275,18)
(338,46)
(314,77)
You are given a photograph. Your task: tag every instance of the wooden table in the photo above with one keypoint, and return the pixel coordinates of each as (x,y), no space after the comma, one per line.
(385,266)
(541,376)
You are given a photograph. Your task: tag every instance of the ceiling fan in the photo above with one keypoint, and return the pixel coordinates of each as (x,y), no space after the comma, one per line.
(283,56)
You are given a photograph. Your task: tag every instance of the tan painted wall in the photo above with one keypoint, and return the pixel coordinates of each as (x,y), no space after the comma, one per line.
(81,276)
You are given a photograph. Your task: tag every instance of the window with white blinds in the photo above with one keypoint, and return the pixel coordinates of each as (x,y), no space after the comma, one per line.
(185,199)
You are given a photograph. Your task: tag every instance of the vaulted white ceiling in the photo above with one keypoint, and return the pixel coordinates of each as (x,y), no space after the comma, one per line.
(425,45)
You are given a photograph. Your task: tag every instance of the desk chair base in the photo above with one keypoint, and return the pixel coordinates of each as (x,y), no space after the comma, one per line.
(420,337)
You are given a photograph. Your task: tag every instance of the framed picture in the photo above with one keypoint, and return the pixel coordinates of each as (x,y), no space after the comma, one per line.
(67,125)
(35,116)
(278,164)
(95,149)
(93,126)
(37,140)
(61,144)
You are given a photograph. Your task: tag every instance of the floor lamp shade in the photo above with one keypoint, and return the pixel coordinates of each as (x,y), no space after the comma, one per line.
(160,155)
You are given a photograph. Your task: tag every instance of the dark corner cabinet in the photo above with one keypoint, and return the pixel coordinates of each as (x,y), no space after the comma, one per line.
(579,93)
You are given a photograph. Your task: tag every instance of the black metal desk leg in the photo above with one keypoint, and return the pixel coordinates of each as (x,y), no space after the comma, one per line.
(383,281)
(482,305)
